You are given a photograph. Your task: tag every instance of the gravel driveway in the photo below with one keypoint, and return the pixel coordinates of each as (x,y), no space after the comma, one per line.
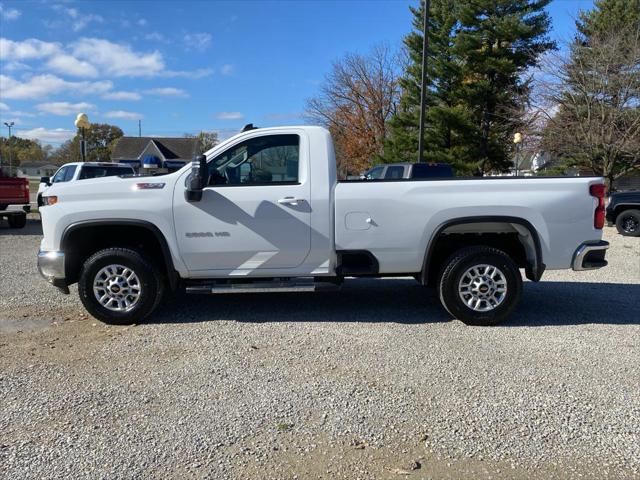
(374,381)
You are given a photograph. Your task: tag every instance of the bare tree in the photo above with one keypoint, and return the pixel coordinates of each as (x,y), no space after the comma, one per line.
(355,102)
(593,105)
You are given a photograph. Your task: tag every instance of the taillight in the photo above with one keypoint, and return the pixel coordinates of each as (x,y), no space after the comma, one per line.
(598,191)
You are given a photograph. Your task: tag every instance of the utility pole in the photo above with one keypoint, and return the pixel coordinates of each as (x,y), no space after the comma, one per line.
(9,125)
(139,128)
(423,91)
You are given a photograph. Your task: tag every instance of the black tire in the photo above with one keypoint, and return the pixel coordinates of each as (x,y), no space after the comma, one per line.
(628,223)
(149,278)
(456,267)
(17,221)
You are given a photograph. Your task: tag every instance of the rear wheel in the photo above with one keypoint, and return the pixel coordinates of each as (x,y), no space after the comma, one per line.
(480,285)
(120,286)
(17,221)
(628,223)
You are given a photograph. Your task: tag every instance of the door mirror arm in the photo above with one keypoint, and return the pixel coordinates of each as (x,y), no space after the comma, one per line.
(197,180)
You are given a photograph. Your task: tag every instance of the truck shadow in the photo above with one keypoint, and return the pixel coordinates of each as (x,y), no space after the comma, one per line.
(32,228)
(404,301)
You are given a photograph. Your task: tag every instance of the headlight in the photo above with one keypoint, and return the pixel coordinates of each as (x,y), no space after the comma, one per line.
(50,200)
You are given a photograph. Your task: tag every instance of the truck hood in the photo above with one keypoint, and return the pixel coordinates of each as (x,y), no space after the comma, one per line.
(109,187)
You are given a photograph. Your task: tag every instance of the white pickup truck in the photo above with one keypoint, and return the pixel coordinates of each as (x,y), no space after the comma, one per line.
(263,211)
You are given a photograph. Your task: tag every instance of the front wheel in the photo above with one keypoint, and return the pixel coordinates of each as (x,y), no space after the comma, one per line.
(480,285)
(119,286)
(18,220)
(628,223)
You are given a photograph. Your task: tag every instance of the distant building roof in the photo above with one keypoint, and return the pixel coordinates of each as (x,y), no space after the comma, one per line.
(131,148)
(37,165)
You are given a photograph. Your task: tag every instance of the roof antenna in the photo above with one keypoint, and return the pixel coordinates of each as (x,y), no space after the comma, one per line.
(247,127)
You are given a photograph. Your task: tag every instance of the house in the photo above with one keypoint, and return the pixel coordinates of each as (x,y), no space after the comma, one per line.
(155,152)
(36,169)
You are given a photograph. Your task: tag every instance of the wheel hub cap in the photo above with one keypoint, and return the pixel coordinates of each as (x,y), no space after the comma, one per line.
(630,225)
(483,287)
(117,288)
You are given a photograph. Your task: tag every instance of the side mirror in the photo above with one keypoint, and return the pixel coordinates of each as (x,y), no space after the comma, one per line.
(197,180)
(46,180)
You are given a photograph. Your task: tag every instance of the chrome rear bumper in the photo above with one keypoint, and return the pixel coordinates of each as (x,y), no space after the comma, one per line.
(590,255)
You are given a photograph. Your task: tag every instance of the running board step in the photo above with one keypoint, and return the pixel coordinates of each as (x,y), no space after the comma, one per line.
(262,287)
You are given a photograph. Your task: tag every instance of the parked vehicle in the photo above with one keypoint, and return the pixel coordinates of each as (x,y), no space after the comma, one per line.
(72,172)
(623,211)
(397,171)
(264,211)
(14,200)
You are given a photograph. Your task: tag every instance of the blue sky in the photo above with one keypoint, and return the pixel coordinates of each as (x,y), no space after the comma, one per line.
(186,66)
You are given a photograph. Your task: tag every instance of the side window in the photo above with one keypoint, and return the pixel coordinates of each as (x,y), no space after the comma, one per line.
(272,159)
(59,176)
(394,172)
(374,173)
(71,169)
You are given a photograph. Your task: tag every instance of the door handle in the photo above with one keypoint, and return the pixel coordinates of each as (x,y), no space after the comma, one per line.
(290,201)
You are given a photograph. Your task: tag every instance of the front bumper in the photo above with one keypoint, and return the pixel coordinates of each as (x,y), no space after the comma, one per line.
(590,255)
(51,267)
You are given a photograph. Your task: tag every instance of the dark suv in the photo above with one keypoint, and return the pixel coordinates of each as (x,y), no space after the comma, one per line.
(623,211)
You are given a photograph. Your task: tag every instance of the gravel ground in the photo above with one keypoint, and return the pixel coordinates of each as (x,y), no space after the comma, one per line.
(370,382)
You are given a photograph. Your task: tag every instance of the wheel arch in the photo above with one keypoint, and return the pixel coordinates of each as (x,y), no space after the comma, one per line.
(527,236)
(621,207)
(146,233)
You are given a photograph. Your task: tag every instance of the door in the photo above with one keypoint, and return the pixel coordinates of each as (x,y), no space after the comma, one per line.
(255,214)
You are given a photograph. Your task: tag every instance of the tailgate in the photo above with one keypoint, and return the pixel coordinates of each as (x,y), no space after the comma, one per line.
(14,191)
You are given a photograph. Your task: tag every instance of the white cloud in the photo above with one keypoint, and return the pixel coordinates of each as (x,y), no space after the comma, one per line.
(41,86)
(142,22)
(84,20)
(121,114)
(168,92)
(198,41)
(193,74)
(229,116)
(5,118)
(9,13)
(26,49)
(16,66)
(154,37)
(65,108)
(133,96)
(66,64)
(72,12)
(54,135)
(92,57)
(78,19)
(118,59)
(4,106)
(226,69)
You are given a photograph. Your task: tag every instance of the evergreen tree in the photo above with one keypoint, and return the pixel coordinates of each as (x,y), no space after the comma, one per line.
(479,52)
(448,120)
(608,16)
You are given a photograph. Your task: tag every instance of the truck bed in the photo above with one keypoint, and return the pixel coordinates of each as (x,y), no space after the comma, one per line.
(394,220)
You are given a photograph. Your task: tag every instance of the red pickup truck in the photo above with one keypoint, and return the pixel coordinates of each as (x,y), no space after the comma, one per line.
(14,200)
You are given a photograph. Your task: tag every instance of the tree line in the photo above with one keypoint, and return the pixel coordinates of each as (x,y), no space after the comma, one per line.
(101,140)
(493,71)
